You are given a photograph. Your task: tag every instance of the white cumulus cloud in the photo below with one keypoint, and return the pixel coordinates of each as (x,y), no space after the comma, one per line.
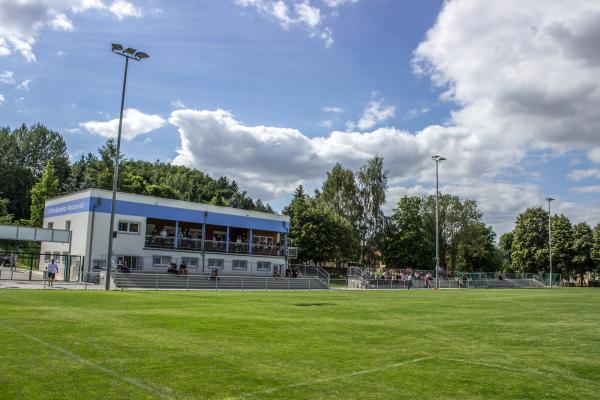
(1,99)
(24,85)
(7,77)
(60,22)
(518,69)
(581,174)
(586,189)
(373,114)
(337,3)
(135,123)
(123,9)
(295,13)
(22,21)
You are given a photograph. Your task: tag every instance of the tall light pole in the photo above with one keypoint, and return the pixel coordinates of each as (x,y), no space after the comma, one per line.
(129,54)
(550,200)
(438,160)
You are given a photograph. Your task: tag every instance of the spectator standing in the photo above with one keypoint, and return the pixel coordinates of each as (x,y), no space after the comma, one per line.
(52,269)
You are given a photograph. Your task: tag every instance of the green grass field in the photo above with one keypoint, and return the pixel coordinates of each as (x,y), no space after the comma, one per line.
(469,344)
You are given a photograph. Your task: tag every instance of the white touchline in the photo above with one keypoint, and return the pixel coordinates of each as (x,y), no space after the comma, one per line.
(337,377)
(158,391)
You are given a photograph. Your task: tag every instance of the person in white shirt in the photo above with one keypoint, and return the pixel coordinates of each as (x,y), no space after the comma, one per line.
(52,269)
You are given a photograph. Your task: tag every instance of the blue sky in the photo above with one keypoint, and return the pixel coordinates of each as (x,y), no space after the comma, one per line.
(273,92)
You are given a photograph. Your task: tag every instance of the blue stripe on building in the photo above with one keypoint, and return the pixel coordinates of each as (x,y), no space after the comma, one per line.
(102,205)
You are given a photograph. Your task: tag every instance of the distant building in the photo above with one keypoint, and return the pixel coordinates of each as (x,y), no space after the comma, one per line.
(152,232)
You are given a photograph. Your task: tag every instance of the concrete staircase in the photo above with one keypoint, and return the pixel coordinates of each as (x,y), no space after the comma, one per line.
(135,280)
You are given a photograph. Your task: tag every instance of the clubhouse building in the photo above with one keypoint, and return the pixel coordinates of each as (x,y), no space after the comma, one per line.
(152,232)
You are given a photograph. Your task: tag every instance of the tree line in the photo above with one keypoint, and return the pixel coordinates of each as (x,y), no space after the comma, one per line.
(575,247)
(343,223)
(35,166)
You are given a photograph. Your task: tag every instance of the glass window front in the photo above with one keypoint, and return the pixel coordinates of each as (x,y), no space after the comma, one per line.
(240,265)
(215,263)
(263,266)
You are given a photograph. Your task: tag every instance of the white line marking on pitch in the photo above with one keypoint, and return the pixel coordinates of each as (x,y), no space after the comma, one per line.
(153,389)
(526,370)
(337,377)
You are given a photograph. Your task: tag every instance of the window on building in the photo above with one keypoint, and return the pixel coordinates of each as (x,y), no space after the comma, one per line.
(67,225)
(159,261)
(56,256)
(65,257)
(129,227)
(240,265)
(216,263)
(263,266)
(47,258)
(191,262)
(99,265)
(50,225)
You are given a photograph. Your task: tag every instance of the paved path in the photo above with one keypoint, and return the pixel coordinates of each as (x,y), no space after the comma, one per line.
(19,279)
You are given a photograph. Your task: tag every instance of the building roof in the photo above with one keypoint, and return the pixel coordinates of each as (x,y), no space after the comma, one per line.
(149,206)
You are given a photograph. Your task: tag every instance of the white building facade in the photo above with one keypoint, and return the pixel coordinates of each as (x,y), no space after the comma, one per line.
(153,232)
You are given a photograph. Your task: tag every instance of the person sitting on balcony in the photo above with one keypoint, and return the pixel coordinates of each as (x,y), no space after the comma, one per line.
(288,272)
(172,269)
(294,273)
(238,244)
(183,269)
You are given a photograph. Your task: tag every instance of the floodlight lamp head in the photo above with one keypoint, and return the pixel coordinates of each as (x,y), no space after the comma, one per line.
(549,199)
(141,55)
(129,50)
(117,47)
(442,159)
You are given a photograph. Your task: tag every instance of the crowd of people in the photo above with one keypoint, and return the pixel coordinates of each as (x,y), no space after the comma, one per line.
(191,239)
(183,270)
(406,275)
(291,272)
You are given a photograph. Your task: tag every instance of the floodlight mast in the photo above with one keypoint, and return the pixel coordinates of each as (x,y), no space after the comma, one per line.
(128,53)
(438,159)
(550,200)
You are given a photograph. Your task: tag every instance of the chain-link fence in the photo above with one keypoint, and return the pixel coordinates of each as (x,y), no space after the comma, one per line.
(21,266)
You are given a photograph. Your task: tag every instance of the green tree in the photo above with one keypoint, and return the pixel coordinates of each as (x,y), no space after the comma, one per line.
(47,187)
(583,245)
(562,244)
(161,190)
(319,234)
(339,193)
(372,185)
(406,242)
(596,246)
(477,250)
(530,241)
(505,249)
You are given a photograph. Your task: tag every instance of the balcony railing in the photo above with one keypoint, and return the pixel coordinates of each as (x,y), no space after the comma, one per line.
(219,246)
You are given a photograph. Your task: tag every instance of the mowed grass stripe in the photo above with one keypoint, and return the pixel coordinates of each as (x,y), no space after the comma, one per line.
(218,345)
(163,392)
